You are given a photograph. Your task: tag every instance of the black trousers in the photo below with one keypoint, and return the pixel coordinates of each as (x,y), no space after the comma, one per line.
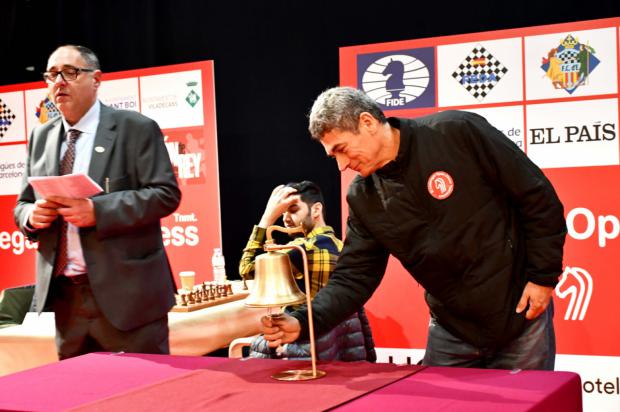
(82,328)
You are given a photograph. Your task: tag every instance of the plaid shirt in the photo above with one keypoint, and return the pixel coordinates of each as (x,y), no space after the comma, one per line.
(321,245)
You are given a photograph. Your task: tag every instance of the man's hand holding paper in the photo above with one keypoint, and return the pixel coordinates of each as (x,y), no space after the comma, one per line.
(43,214)
(78,212)
(65,195)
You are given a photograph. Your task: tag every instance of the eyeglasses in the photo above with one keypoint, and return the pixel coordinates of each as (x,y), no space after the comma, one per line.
(68,74)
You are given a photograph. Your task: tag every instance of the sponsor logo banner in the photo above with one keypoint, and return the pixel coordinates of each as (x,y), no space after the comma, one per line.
(481,72)
(12,126)
(600,380)
(16,253)
(47,110)
(575,284)
(173,100)
(578,63)
(569,65)
(399,79)
(12,167)
(120,94)
(573,134)
(507,119)
(39,109)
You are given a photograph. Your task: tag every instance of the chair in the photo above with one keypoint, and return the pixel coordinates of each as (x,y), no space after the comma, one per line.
(14,304)
(235,348)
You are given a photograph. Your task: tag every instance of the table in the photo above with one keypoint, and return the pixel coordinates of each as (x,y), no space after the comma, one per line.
(105,381)
(199,332)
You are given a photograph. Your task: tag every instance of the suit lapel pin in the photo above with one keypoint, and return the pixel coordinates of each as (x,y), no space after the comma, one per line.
(99,149)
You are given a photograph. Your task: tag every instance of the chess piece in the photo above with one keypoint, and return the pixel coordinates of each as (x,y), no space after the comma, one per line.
(212,291)
(183,301)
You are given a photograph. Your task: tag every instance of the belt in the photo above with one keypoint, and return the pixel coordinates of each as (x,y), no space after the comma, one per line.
(76,279)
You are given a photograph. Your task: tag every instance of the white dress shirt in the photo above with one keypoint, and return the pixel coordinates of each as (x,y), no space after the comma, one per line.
(83,152)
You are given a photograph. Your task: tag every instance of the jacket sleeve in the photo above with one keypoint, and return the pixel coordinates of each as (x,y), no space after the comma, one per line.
(26,199)
(357,275)
(252,249)
(540,212)
(155,192)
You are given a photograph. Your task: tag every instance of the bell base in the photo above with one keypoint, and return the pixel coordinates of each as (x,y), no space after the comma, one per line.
(298,375)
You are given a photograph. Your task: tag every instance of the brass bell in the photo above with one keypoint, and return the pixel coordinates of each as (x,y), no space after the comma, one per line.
(274,284)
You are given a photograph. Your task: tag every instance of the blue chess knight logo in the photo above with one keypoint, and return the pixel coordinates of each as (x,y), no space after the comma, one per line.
(398,79)
(570,64)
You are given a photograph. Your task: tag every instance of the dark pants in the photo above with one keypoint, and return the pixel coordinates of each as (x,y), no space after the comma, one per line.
(533,349)
(82,328)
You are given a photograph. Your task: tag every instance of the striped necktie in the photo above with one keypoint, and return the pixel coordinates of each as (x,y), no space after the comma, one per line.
(66,167)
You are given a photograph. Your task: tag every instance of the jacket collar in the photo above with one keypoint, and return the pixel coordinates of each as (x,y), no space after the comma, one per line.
(52,147)
(396,167)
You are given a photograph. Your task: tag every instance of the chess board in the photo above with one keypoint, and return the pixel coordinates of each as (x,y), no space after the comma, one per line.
(190,307)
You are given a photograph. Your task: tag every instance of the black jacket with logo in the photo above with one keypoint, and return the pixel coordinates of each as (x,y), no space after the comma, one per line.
(473,251)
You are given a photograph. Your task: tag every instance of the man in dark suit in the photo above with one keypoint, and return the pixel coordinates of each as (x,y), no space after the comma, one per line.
(101,263)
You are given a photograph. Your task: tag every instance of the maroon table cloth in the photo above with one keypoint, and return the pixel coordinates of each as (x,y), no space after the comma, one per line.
(477,390)
(103,381)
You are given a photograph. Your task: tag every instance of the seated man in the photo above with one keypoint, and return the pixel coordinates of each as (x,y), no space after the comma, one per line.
(302,204)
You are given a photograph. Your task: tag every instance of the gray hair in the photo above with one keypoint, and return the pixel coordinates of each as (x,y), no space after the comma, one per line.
(340,108)
(87,54)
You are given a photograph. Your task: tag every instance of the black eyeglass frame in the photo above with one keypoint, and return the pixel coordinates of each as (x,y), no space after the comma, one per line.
(68,74)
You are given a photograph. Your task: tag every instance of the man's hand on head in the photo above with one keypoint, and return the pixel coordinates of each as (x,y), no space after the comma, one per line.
(78,212)
(279,201)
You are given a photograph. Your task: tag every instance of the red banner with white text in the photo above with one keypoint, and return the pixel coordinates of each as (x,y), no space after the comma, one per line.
(553,90)
(181,99)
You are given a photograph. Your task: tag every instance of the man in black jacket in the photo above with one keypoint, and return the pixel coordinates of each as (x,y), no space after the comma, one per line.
(474,221)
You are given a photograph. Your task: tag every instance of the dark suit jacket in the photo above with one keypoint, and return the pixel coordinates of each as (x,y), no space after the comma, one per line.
(127,265)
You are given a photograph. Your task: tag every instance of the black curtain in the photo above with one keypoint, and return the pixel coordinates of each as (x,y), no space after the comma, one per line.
(272,58)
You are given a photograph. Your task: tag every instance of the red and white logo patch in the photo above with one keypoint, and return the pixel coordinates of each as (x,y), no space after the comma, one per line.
(440,185)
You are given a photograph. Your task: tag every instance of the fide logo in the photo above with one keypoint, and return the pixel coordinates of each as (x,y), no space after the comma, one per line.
(398,80)
(576,284)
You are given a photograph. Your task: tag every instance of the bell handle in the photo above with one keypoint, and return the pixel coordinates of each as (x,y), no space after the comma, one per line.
(288,230)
